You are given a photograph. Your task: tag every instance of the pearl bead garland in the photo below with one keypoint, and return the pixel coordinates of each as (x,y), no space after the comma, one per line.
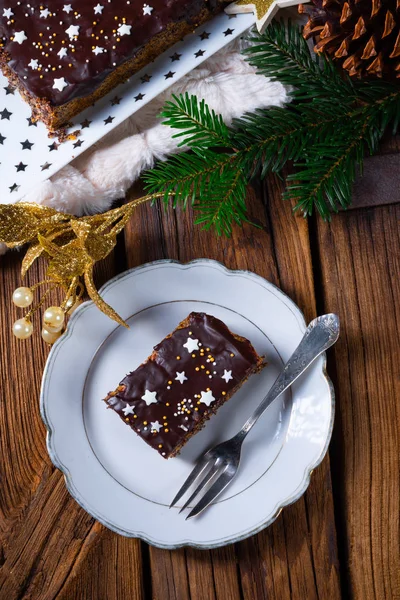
(22,329)
(53,319)
(50,337)
(22,297)
(70,306)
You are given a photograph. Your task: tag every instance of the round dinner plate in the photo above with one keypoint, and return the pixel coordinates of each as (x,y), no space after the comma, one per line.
(114,475)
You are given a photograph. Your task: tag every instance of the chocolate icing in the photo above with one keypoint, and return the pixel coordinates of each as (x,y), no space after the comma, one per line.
(81,68)
(160,371)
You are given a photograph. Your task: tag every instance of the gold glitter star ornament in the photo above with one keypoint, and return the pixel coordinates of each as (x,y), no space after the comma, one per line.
(264,10)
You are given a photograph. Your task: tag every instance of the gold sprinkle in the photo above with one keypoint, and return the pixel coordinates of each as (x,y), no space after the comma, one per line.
(178,358)
(127,419)
(224,393)
(160,445)
(198,401)
(193,356)
(165,418)
(190,332)
(144,422)
(167,404)
(208,389)
(40,34)
(208,349)
(169,382)
(166,430)
(94,22)
(202,366)
(207,372)
(135,416)
(232,354)
(196,408)
(197,368)
(116,18)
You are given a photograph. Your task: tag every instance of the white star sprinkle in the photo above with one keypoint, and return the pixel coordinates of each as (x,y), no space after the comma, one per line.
(147,10)
(34,64)
(67,8)
(156,426)
(63,52)
(44,13)
(181,377)
(124,29)
(7,12)
(191,344)
(128,409)
(19,36)
(207,397)
(149,397)
(98,9)
(60,84)
(97,50)
(227,375)
(72,31)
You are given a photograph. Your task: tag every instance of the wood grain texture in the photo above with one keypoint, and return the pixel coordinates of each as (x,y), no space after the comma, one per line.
(360,263)
(50,548)
(269,567)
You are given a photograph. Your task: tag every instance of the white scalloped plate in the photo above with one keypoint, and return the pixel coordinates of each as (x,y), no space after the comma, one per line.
(123,482)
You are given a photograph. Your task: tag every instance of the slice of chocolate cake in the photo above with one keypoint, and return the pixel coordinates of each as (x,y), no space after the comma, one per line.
(189,375)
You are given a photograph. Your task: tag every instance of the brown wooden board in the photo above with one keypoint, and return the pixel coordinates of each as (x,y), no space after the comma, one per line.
(50,548)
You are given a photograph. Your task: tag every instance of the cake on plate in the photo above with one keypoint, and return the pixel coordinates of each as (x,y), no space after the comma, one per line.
(63,55)
(190,374)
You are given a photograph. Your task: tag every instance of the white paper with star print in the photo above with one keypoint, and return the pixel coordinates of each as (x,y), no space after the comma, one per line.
(28,156)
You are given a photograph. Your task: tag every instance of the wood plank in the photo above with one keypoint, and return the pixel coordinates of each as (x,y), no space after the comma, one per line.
(360,261)
(280,562)
(46,540)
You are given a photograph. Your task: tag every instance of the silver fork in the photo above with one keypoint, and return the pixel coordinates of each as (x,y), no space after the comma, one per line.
(219,465)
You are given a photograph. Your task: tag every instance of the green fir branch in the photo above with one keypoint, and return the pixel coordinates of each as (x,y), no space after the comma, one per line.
(324,132)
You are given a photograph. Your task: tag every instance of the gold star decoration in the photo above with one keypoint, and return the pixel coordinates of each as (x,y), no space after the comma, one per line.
(264,10)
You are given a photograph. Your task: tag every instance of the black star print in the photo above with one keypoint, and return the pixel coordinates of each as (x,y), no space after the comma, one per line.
(14,187)
(5,114)
(2,138)
(78,144)
(109,119)
(26,145)
(139,97)
(31,122)
(53,146)
(86,123)
(199,53)
(228,32)
(21,167)
(115,101)
(9,90)
(204,36)
(169,74)
(45,166)
(175,56)
(146,78)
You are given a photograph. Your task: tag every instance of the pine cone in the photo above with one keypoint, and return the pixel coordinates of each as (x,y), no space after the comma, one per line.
(362,35)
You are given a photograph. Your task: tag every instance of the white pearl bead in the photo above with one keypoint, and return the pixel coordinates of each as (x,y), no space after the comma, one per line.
(53,319)
(69,307)
(22,297)
(22,329)
(50,337)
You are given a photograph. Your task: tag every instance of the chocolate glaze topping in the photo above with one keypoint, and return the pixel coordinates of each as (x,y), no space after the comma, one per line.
(189,375)
(75,44)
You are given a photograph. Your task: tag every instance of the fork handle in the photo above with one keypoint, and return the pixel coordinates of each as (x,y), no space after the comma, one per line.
(320,335)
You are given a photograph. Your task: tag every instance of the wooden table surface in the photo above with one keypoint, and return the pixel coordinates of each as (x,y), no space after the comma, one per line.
(341,540)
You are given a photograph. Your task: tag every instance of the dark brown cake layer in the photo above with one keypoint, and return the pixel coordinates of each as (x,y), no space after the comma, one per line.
(61,54)
(190,374)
